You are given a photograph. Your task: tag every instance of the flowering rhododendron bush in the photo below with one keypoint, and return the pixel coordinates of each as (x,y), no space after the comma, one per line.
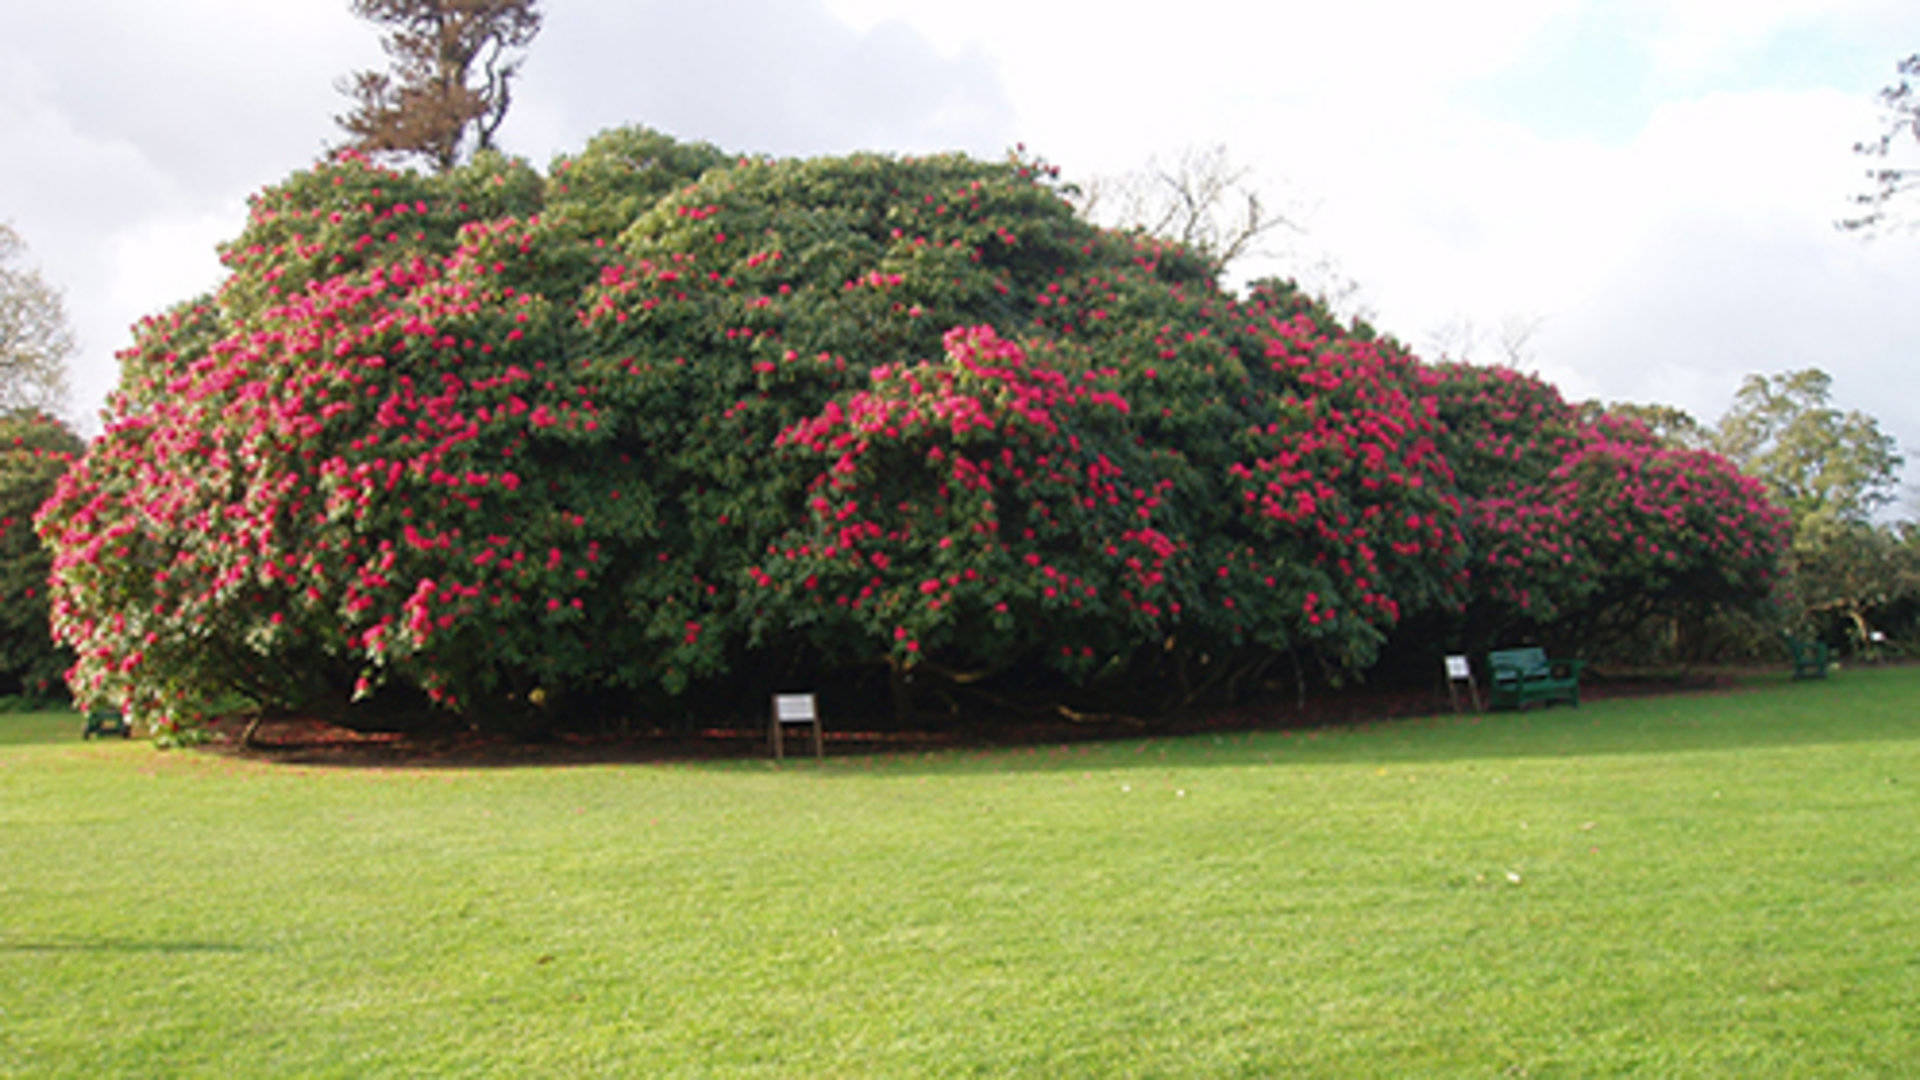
(35,449)
(663,424)
(1576,520)
(969,510)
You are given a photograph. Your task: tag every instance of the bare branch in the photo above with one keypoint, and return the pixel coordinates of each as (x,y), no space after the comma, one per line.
(1200,199)
(1890,182)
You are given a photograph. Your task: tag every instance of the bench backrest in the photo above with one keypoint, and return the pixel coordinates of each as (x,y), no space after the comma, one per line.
(1528,661)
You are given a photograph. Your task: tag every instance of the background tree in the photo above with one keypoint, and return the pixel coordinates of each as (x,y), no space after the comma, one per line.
(34,337)
(453,63)
(1819,462)
(1898,141)
(1853,579)
(1832,471)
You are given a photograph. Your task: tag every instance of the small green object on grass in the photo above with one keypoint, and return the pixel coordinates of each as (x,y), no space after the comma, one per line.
(1522,676)
(1811,659)
(105,721)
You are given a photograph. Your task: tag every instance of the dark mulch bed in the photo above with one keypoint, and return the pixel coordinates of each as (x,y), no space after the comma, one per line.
(314,742)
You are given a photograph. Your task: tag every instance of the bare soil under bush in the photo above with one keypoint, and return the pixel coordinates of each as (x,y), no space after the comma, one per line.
(314,742)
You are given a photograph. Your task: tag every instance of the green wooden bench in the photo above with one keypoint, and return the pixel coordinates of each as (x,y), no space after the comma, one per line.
(104,722)
(1810,658)
(1522,676)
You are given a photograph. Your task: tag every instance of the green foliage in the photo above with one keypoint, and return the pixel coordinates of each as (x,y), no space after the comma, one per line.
(621,174)
(347,216)
(1587,522)
(663,423)
(1504,427)
(1832,471)
(1820,463)
(1664,425)
(35,450)
(1853,580)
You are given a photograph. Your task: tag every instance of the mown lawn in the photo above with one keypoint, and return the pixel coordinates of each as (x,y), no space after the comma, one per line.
(1707,885)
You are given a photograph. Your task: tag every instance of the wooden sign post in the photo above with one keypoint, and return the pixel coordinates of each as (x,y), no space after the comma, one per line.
(795,709)
(1459,671)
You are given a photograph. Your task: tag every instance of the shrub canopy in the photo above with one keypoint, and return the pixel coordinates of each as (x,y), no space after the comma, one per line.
(663,420)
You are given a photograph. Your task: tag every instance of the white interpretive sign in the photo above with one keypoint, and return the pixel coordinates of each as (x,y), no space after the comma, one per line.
(1459,671)
(795,709)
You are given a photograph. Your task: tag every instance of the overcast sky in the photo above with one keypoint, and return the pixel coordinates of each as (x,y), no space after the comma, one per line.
(1653,183)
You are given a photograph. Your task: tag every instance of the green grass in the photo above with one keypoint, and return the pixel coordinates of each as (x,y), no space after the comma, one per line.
(20,729)
(1719,885)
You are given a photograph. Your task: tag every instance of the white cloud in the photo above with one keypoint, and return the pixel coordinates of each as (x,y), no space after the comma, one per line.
(137,132)
(162,256)
(1739,269)
(1098,91)
(773,76)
